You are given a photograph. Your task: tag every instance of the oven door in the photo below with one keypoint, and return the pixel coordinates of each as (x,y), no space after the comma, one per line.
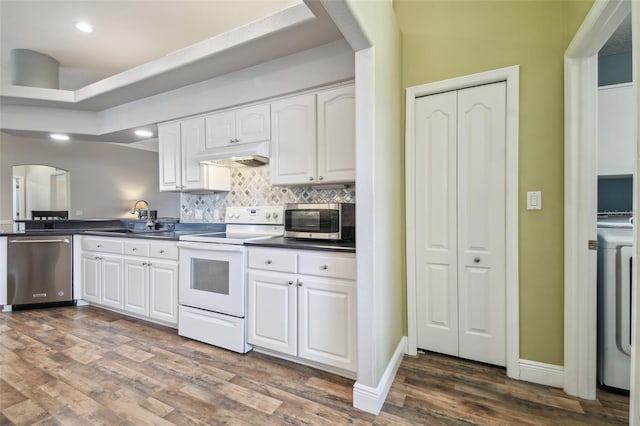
(212,277)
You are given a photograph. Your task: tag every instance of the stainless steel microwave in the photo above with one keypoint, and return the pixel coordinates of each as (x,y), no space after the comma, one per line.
(326,221)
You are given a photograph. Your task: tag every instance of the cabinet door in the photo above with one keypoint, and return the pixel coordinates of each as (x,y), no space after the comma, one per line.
(169,157)
(253,124)
(327,321)
(136,291)
(90,277)
(163,291)
(193,142)
(615,130)
(293,141)
(337,135)
(111,281)
(220,129)
(271,314)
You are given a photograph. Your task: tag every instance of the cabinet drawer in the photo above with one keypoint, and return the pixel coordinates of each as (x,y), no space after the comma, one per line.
(335,266)
(272,260)
(103,245)
(136,248)
(164,251)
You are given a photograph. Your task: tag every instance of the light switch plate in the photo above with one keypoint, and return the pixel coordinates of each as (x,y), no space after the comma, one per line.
(534,200)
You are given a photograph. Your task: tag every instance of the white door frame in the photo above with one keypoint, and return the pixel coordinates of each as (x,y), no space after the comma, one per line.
(581,113)
(511,76)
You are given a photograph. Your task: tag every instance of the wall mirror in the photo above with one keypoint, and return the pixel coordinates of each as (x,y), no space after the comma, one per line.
(39,188)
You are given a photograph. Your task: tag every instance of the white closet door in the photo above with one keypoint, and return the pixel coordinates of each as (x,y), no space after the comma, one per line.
(481,223)
(436,247)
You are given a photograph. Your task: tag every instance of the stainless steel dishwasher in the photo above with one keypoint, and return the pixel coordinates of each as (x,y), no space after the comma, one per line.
(39,269)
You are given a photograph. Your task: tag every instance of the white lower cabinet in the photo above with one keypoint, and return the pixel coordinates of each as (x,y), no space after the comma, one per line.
(137,276)
(310,315)
(102,279)
(136,287)
(163,291)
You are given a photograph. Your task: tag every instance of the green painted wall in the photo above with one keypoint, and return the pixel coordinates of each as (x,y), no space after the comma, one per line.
(445,39)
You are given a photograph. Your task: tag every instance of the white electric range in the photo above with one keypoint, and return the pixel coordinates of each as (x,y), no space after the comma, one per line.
(212,277)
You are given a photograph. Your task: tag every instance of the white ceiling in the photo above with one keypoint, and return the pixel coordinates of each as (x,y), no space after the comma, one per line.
(142,48)
(127,33)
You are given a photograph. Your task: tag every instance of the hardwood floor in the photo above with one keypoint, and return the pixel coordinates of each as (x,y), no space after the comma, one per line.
(83,365)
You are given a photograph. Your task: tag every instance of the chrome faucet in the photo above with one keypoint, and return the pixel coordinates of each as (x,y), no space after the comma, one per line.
(150,223)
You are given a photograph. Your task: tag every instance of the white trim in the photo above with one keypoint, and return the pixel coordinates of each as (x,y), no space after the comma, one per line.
(580,206)
(371,399)
(634,399)
(511,76)
(365,216)
(3,271)
(541,373)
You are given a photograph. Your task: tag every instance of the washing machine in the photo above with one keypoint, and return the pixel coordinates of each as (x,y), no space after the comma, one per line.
(615,248)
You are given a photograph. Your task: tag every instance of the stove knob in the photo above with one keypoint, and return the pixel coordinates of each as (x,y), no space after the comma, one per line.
(237,215)
(275,215)
(267,215)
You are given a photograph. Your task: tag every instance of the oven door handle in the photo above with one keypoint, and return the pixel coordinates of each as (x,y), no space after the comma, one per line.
(239,248)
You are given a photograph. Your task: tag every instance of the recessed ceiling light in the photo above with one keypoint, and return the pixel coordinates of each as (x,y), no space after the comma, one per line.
(59,137)
(143,133)
(83,26)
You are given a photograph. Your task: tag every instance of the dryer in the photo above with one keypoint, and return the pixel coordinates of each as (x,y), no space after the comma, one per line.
(615,248)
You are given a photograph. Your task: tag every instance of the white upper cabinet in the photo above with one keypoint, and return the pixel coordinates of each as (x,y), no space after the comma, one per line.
(170,157)
(337,135)
(180,170)
(245,125)
(293,140)
(615,130)
(313,140)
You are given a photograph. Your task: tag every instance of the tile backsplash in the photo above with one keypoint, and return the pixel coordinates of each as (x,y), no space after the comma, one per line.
(251,186)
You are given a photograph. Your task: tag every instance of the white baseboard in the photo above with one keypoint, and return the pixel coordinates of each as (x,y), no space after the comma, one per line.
(541,373)
(370,399)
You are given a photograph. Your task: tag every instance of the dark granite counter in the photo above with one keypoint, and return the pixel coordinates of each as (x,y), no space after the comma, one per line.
(299,244)
(168,229)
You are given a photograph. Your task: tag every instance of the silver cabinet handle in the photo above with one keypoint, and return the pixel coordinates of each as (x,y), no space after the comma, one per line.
(99,245)
(161,251)
(310,178)
(476,260)
(134,249)
(324,267)
(290,282)
(66,241)
(299,283)
(320,177)
(149,264)
(144,263)
(268,262)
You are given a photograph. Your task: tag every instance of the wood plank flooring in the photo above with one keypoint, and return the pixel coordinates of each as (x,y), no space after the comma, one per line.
(86,366)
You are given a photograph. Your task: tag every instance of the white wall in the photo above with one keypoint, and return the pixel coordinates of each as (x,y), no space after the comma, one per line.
(380,192)
(104,178)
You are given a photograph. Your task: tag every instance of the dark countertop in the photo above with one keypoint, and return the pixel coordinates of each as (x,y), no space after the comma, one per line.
(300,244)
(169,229)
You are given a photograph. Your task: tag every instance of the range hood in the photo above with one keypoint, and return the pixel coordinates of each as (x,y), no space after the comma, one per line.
(246,154)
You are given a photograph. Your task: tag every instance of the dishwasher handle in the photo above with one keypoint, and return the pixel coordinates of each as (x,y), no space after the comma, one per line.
(66,241)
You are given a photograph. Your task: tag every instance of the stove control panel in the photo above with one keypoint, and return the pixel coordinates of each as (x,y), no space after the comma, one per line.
(262,215)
